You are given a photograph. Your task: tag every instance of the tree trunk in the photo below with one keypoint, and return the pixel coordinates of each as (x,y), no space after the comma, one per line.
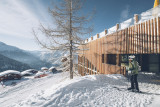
(71,61)
(70,36)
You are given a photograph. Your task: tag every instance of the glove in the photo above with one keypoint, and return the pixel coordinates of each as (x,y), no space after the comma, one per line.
(129,72)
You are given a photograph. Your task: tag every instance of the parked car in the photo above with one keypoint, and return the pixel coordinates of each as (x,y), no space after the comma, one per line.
(52,69)
(29,72)
(40,74)
(10,75)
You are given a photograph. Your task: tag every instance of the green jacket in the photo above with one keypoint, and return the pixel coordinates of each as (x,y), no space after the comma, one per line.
(133,66)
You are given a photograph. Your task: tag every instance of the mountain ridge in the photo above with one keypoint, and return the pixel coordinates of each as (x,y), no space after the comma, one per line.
(11,64)
(23,56)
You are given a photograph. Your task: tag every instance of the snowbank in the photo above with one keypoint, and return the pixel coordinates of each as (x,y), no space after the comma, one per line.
(90,91)
(57,90)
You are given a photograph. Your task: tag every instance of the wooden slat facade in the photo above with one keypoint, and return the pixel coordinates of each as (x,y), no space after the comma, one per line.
(142,38)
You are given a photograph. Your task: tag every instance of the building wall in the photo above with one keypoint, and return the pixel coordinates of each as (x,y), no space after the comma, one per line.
(141,38)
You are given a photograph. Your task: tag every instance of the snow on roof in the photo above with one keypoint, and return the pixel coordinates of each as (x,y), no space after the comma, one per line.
(95,37)
(10,72)
(126,23)
(44,68)
(24,73)
(27,71)
(51,68)
(102,34)
(149,14)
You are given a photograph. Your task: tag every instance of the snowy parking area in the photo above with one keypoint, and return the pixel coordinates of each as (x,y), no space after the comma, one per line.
(58,90)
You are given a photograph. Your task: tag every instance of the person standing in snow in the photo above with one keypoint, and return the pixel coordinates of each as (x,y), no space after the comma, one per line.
(133,67)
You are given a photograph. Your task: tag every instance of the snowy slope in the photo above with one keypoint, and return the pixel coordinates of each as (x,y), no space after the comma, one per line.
(92,91)
(43,55)
(5,47)
(27,88)
(22,56)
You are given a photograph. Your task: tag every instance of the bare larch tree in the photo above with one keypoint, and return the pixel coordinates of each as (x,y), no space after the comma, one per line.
(71,27)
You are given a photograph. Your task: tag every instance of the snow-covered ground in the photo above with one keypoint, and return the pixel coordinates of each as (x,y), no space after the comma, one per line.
(57,90)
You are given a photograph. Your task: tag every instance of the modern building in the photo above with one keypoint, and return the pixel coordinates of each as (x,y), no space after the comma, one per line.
(108,51)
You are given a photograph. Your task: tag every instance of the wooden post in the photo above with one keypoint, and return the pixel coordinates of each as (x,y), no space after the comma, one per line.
(147,37)
(90,57)
(141,38)
(155,30)
(101,55)
(105,31)
(92,38)
(120,43)
(149,33)
(117,26)
(118,59)
(137,39)
(97,36)
(129,43)
(144,37)
(126,32)
(159,32)
(87,66)
(131,40)
(135,18)
(152,36)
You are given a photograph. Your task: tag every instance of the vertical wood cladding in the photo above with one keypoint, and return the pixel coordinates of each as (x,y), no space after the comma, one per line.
(96,55)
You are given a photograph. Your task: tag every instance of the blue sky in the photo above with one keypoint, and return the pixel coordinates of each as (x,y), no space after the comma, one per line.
(18,17)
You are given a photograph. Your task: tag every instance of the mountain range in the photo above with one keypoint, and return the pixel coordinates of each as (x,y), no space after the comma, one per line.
(11,64)
(26,58)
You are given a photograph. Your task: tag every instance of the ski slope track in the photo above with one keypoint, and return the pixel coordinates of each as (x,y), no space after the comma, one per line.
(57,90)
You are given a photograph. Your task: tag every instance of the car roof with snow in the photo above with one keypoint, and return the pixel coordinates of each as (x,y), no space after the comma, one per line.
(39,73)
(44,68)
(10,72)
(51,68)
(26,72)
(29,71)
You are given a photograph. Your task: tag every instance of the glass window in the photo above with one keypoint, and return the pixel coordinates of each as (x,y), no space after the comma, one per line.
(111,59)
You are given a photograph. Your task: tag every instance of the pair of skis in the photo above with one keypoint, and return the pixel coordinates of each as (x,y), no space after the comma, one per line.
(124,89)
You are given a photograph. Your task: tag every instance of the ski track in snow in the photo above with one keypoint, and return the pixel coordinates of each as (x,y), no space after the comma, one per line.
(92,91)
